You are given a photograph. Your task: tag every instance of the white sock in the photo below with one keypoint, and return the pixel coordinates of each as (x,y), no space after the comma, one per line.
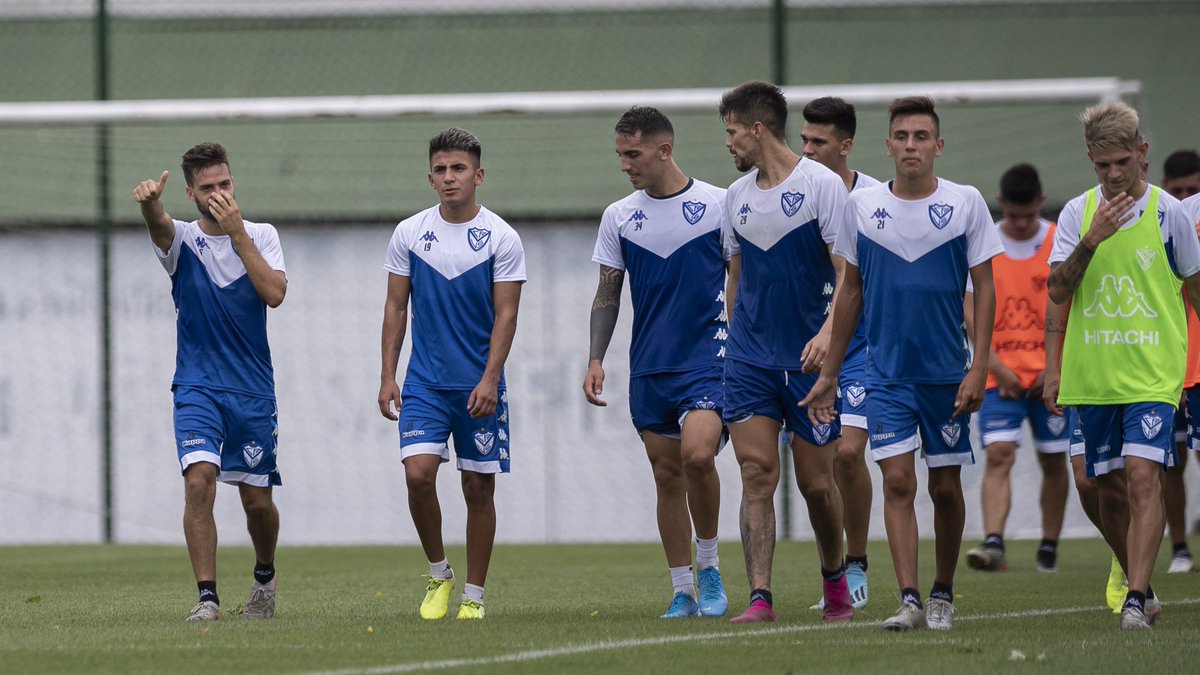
(440,570)
(682,580)
(472,592)
(706,553)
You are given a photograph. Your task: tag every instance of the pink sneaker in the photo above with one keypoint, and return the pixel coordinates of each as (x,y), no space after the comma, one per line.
(758,612)
(838,606)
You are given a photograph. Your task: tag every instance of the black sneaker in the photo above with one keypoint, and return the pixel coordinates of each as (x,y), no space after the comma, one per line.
(1047,559)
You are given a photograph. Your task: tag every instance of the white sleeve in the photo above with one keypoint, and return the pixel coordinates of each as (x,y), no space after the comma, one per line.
(847,235)
(396,260)
(1185,246)
(170,260)
(729,240)
(608,241)
(508,261)
(1066,235)
(983,240)
(832,206)
(268,245)
(723,219)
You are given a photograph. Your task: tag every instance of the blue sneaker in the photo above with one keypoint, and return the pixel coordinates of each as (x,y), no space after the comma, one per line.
(682,606)
(712,592)
(856,579)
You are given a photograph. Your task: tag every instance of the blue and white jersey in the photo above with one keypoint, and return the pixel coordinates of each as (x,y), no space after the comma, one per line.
(858,341)
(221,321)
(914,257)
(672,250)
(785,289)
(1174,221)
(452,267)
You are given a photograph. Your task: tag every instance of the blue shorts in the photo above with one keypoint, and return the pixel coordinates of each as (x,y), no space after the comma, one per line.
(1000,422)
(1113,432)
(750,390)
(1193,417)
(207,421)
(1076,432)
(658,403)
(905,417)
(429,418)
(852,389)
(1181,423)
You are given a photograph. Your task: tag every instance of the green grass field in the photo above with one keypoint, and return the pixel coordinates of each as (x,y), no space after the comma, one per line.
(562,608)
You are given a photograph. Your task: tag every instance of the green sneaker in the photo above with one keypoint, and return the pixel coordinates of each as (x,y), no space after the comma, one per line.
(437,598)
(469,609)
(1117,587)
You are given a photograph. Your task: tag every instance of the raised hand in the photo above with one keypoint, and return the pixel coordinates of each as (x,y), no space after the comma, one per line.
(1111,216)
(149,191)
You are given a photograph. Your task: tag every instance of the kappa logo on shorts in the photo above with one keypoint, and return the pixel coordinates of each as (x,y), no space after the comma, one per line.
(484,440)
(791,202)
(503,454)
(951,432)
(502,436)
(940,214)
(478,237)
(1055,425)
(253,452)
(693,211)
(821,433)
(1151,424)
(502,418)
(855,395)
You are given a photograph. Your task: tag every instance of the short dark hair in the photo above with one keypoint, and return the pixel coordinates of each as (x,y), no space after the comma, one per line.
(754,102)
(644,120)
(832,110)
(1181,163)
(456,138)
(200,157)
(1021,185)
(914,105)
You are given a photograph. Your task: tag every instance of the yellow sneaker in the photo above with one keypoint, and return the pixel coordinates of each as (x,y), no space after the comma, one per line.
(437,598)
(469,609)
(1117,587)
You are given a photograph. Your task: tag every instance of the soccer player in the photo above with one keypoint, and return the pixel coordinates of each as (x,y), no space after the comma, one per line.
(1120,252)
(1016,372)
(1181,178)
(782,218)
(462,267)
(225,272)
(667,236)
(828,137)
(909,246)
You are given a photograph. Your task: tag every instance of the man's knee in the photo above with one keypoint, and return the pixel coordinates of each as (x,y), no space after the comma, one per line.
(478,490)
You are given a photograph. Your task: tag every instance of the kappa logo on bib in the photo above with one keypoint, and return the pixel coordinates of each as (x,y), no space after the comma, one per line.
(1119,297)
(478,237)
(791,202)
(951,432)
(1151,424)
(693,211)
(484,440)
(253,452)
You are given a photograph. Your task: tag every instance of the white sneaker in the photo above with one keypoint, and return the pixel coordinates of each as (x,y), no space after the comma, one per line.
(1133,618)
(1181,563)
(261,604)
(908,617)
(205,611)
(939,614)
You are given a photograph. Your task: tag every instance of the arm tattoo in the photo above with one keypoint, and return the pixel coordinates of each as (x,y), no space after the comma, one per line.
(1065,278)
(1055,325)
(605,308)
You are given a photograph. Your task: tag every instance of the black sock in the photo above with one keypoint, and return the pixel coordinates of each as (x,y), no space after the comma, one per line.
(835,575)
(1050,545)
(208,591)
(1136,599)
(264,572)
(1149,592)
(1181,547)
(912,596)
(994,540)
(860,561)
(760,594)
(942,591)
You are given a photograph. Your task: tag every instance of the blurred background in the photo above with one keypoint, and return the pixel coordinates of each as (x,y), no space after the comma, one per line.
(86,320)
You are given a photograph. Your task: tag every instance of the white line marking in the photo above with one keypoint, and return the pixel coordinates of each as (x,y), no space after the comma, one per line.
(571,650)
